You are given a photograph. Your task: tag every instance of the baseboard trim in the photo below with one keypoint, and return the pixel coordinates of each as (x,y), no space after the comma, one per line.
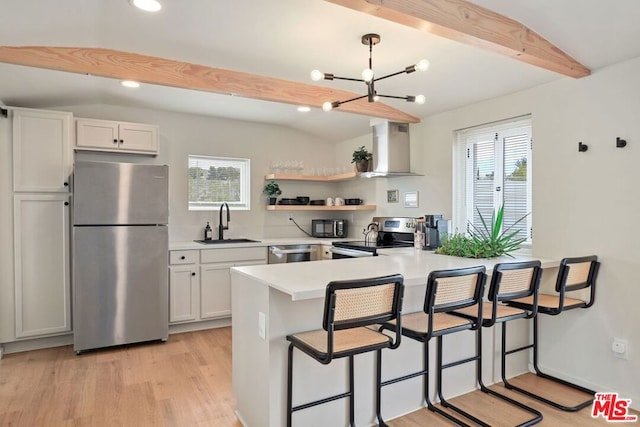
(624,394)
(199,326)
(37,343)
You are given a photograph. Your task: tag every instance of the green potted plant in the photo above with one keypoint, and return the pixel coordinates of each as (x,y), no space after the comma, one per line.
(361,157)
(487,241)
(272,190)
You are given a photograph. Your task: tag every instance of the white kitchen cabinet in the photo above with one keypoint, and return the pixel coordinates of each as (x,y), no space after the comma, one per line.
(123,137)
(215,290)
(41,260)
(183,293)
(200,289)
(41,150)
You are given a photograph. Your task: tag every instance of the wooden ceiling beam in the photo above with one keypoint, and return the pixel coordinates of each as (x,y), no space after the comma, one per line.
(166,72)
(474,25)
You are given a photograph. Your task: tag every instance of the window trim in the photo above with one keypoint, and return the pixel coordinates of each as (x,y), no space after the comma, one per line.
(245,185)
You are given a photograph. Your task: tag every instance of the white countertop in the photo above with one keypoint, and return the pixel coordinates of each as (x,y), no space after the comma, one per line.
(190,244)
(307,280)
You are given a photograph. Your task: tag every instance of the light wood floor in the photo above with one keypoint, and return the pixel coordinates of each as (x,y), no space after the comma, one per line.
(183,382)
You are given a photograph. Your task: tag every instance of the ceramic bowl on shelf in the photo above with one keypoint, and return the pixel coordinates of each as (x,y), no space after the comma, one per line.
(317,202)
(303,200)
(353,201)
(289,202)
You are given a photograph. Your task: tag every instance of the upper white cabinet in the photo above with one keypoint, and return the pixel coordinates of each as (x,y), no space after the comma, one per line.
(41,151)
(121,137)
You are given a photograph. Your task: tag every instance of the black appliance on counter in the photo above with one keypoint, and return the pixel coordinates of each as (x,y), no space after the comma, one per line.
(434,228)
(329,228)
(393,232)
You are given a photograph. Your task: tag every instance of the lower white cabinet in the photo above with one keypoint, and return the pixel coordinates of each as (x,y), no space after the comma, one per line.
(200,281)
(183,288)
(42,281)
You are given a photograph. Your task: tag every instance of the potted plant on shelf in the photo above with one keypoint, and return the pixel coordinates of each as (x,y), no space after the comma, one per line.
(487,241)
(272,190)
(361,158)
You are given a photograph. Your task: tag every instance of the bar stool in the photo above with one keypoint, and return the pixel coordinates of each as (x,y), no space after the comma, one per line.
(574,274)
(508,281)
(350,306)
(447,291)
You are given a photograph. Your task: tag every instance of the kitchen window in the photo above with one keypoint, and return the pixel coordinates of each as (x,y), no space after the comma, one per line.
(215,180)
(492,165)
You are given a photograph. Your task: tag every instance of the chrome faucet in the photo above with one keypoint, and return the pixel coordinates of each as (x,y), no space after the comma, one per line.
(221,227)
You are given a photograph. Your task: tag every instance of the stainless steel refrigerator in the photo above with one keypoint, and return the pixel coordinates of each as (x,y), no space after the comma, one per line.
(120,254)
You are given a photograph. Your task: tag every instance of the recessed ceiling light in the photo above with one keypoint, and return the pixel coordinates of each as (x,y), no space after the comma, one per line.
(304,109)
(130,83)
(147,5)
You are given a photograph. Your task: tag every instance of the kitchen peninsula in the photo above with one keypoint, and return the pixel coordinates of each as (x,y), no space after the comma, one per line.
(272,301)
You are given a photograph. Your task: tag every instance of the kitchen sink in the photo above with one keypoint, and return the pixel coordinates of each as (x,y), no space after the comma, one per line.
(221,242)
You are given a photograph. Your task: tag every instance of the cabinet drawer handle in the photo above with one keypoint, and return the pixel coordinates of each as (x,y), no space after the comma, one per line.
(115,141)
(66,203)
(193,274)
(122,141)
(183,257)
(66,184)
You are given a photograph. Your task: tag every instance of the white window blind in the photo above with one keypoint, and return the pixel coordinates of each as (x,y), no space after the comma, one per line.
(493,167)
(216,180)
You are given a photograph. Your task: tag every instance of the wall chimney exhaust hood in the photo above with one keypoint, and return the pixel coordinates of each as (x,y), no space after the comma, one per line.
(391,155)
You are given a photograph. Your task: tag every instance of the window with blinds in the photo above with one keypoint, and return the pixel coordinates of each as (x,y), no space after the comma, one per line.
(215,180)
(493,168)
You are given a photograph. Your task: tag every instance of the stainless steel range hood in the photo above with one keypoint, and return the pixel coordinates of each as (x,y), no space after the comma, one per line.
(391,155)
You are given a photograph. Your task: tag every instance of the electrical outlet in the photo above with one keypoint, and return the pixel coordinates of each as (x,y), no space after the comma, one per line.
(620,348)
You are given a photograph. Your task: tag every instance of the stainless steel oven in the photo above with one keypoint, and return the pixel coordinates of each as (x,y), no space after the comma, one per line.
(338,252)
(279,254)
(393,232)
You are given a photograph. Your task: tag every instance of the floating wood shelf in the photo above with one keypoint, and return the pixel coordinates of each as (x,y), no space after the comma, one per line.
(321,208)
(315,178)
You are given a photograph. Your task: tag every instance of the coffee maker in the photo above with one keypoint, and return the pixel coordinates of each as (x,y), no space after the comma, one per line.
(435,227)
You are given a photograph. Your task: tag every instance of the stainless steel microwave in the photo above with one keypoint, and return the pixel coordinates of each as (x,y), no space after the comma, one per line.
(329,227)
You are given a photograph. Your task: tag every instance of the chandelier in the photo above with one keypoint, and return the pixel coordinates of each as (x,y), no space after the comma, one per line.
(369,78)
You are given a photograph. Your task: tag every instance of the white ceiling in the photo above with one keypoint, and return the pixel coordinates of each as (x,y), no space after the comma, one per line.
(287,39)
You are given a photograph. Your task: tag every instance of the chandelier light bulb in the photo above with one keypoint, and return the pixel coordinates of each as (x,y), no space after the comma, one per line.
(317,75)
(422,65)
(327,106)
(420,99)
(367,75)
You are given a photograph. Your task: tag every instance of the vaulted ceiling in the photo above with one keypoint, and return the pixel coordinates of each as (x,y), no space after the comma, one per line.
(250,59)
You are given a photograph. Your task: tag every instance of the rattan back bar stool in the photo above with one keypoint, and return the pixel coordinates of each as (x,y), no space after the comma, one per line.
(508,281)
(447,291)
(350,306)
(573,274)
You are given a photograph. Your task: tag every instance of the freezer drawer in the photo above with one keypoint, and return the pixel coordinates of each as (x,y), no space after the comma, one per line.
(120,193)
(120,277)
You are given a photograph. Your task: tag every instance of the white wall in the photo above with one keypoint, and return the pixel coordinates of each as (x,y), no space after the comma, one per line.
(182,134)
(583,204)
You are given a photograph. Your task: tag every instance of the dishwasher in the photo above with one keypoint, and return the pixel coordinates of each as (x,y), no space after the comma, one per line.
(279,254)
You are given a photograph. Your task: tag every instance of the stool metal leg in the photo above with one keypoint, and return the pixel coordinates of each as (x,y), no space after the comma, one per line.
(537,414)
(381,422)
(289,384)
(541,374)
(351,386)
